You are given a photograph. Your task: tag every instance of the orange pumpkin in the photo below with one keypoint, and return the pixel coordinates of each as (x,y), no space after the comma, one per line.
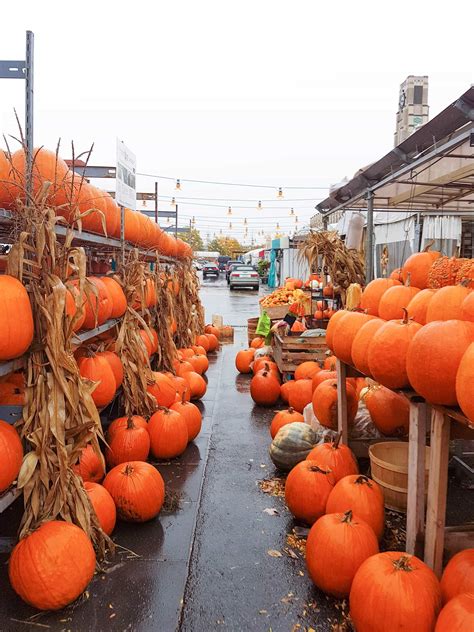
(129,443)
(336,547)
(446,303)
(363,496)
(168,434)
(387,355)
(11,450)
(306,370)
(263,361)
(430,368)
(91,467)
(336,457)
(138,490)
(192,416)
(98,305)
(457,615)
(417,267)
(325,404)
(332,326)
(16,318)
(243,360)
(115,364)
(199,363)
(285,391)
(458,576)
(97,368)
(464,382)
(389,411)
(203,341)
(197,384)
(210,329)
(301,394)
(307,489)
(396,274)
(282,418)
(465,273)
(372,294)
(182,389)
(345,332)
(213,342)
(329,363)
(395,300)
(257,343)
(119,302)
(119,424)
(444,271)
(103,505)
(11,395)
(467,308)
(264,388)
(162,389)
(46,167)
(361,342)
(418,306)
(322,376)
(50,567)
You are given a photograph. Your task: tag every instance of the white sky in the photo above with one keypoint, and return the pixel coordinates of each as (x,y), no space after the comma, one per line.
(271,92)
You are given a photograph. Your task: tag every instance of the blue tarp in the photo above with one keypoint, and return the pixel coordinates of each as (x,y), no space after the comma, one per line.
(272,279)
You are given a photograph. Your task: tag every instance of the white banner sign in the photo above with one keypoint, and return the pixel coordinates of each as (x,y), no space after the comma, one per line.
(125,192)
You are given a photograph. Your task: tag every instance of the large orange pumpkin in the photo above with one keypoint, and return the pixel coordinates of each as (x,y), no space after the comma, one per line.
(213,342)
(119,302)
(444,271)
(467,308)
(200,363)
(434,356)
(138,490)
(418,306)
(395,300)
(464,383)
(417,267)
(129,443)
(52,566)
(119,424)
(115,364)
(183,391)
(16,318)
(265,388)
(8,189)
(210,329)
(336,457)
(11,394)
(285,390)
(96,368)
(307,489)
(458,576)
(301,394)
(103,505)
(372,294)
(331,328)
(337,545)
(389,411)
(46,167)
(457,615)
(197,384)
(345,332)
(361,342)
(388,352)
(379,599)
(322,376)
(91,467)
(243,359)
(446,303)
(282,418)
(203,341)
(191,415)
(12,455)
(98,305)
(168,434)
(162,389)
(306,370)
(325,404)
(329,363)
(363,496)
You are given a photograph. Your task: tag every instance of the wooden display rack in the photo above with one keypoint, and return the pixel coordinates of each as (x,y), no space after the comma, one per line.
(290,351)
(430,531)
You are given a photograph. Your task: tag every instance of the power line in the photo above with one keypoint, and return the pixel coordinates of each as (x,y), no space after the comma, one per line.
(229,184)
(184,197)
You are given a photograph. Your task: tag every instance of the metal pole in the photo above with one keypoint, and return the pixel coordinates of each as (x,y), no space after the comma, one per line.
(122,232)
(176,224)
(156,202)
(29,93)
(369,242)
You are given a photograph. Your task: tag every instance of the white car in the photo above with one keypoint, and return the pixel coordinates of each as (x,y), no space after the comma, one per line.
(244,276)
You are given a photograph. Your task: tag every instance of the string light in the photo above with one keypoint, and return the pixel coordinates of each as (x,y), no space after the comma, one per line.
(278,226)
(280,193)
(230,225)
(178,185)
(193,220)
(245,221)
(144,204)
(259,205)
(229,211)
(167,220)
(292,212)
(173,202)
(220,232)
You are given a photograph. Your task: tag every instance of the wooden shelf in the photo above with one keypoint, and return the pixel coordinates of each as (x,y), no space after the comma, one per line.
(8,497)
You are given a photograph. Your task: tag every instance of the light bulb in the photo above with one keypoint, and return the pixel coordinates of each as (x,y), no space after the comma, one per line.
(259,205)
(173,202)
(230,225)
(178,185)
(167,220)
(296,219)
(220,232)
(229,211)
(280,193)
(278,226)
(144,204)
(194,220)
(292,212)
(245,220)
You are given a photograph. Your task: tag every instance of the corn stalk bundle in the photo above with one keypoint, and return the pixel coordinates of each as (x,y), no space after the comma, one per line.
(162,317)
(130,346)
(59,417)
(189,312)
(325,249)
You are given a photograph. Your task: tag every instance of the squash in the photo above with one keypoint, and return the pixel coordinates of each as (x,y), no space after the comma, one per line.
(292,444)
(372,294)
(307,489)
(417,267)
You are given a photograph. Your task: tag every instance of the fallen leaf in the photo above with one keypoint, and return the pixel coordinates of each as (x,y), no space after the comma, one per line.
(262,612)
(273,553)
(271,511)
(291,553)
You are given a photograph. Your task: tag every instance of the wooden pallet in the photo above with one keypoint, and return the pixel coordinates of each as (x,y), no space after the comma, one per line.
(290,351)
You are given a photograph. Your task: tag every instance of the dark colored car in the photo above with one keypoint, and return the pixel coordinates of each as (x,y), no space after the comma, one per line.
(222,262)
(210,269)
(228,268)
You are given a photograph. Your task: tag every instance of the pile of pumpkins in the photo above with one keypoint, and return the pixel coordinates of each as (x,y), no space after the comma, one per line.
(132,490)
(418,334)
(70,194)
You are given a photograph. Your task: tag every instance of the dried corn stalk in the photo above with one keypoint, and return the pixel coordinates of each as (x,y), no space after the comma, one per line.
(162,318)
(326,250)
(59,417)
(189,312)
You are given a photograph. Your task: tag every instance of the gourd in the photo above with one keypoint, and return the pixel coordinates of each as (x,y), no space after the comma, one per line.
(292,444)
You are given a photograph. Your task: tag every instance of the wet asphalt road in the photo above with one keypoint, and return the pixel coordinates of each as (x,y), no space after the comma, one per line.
(204,566)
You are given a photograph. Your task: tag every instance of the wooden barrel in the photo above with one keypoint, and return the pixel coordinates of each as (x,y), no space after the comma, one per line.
(389,468)
(251,327)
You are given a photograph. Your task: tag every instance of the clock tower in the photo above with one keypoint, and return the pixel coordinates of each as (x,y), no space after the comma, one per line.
(413,110)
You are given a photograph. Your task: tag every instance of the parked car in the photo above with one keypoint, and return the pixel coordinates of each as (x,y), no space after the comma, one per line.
(244,276)
(228,268)
(222,262)
(210,269)
(197,265)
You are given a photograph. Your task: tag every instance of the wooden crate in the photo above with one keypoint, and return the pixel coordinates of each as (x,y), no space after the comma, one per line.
(290,351)
(252,327)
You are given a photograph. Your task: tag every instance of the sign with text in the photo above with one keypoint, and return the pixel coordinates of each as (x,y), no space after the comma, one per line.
(125,193)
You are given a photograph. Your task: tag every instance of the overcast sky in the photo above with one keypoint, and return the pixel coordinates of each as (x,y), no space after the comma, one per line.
(265,92)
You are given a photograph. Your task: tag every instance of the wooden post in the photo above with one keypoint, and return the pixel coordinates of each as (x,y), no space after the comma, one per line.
(342,401)
(437,491)
(419,412)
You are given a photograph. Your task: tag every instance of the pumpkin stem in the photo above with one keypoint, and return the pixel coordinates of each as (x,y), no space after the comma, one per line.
(427,248)
(291,410)
(347,518)
(363,480)
(316,468)
(405,316)
(130,424)
(128,469)
(403,564)
(335,443)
